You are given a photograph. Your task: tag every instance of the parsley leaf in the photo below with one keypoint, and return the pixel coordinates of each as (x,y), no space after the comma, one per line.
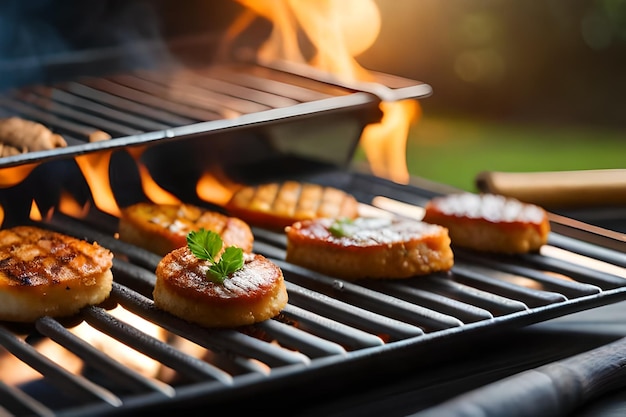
(231,261)
(206,245)
(341,227)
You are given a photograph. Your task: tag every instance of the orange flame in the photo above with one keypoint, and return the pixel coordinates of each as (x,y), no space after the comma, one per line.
(339,30)
(35,214)
(385,142)
(93,166)
(95,169)
(152,190)
(68,205)
(214,190)
(14,175)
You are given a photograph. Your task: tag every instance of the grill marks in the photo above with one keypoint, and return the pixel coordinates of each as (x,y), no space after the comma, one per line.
(29,258)
(277,205)
(161,228)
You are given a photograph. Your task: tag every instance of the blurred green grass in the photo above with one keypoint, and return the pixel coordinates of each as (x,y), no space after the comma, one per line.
(453,150)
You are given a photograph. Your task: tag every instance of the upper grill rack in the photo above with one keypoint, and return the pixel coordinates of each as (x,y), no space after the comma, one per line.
(144,105)
(329,327)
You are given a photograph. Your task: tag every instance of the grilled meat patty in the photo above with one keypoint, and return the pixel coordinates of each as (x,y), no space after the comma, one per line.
(255,293)
(490,222)
(276,205)
(45,273)
(161,228)
(369,247)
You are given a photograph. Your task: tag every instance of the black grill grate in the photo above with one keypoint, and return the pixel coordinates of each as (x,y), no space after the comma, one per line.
(329,328)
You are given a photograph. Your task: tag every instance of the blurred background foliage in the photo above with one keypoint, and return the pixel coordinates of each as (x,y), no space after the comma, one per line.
(517,85)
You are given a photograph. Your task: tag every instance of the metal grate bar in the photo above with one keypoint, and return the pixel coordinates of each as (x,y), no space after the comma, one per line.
(18,403)
(81,388)
(238,99)
(191,98)
(61,110)
(587,249)
(383,304)
(351,315)
(230,105)
(493,302)
(479,278)
(79,130)
(346,336)
(238,90)
(50,96)
(135,277)
(117,373)
(466,313)
(216,340)
(276,83)
(577,271)
(570,289)
(125,105)
(301,341)
(156,349)
(148,99)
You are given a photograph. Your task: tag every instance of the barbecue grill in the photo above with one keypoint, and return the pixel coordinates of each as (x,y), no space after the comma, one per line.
(250,122)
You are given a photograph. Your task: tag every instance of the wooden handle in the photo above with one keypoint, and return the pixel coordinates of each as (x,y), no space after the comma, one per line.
(559,189)
(555,389)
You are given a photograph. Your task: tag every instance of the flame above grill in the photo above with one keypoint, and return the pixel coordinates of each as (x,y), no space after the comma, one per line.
(339,31)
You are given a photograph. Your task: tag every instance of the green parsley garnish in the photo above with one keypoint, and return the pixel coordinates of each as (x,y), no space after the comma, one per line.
(341,227)
(206,245)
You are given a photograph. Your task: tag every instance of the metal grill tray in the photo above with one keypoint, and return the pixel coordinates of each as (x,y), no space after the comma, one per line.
(331,333)
(169,104)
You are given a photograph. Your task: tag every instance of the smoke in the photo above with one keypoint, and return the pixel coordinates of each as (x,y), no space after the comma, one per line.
(38,36)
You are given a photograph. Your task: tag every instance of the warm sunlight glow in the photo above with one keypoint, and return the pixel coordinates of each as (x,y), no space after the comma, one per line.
(95,169)
(339,30)
(555,252)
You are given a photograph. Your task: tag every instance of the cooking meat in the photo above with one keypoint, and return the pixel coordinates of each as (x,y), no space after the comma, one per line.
(161,228)
(28,136)
(369,247)
(45,273)
(255,293)
(490,222)
(276,205)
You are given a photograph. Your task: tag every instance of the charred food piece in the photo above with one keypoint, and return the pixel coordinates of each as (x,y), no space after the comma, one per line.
(254,293)
(379,248)
(276,205)
(162,228)
(45,273)
(19,136)
(490,222)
